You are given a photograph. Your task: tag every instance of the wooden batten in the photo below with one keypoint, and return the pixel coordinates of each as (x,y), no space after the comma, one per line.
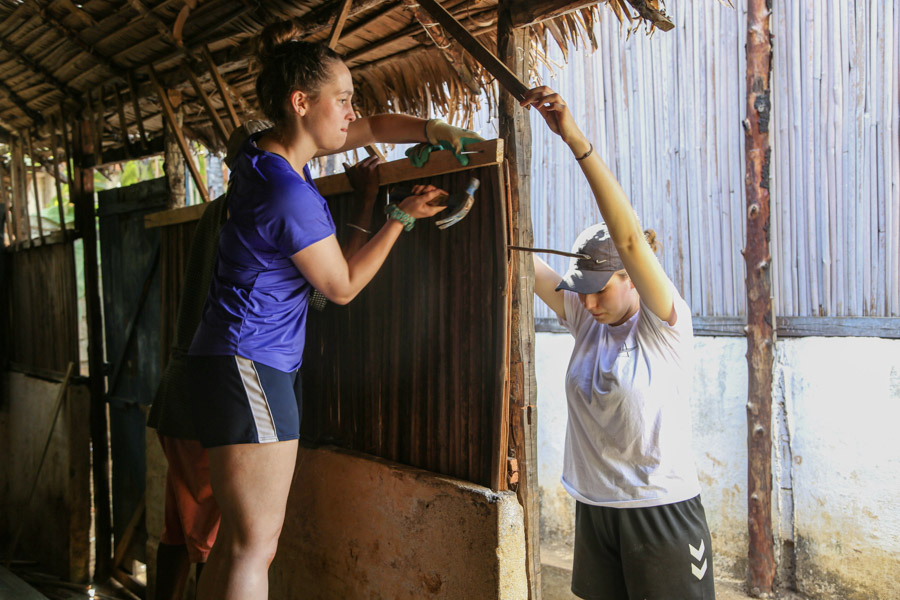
(439,163)
(179,136)
(54,141)
(222,87)
(218,124)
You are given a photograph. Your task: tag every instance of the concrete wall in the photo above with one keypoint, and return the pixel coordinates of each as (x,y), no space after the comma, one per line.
(359,527)
(55,522)
(836,459)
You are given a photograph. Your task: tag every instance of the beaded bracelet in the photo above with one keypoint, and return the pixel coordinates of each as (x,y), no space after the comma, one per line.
(395,212)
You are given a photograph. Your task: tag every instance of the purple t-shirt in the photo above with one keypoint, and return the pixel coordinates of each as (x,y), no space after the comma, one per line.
(257,300)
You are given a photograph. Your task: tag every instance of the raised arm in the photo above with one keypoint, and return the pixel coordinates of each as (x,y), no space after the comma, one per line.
(400,129)
(640,262)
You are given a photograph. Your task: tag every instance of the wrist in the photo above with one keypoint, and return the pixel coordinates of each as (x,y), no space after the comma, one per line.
(579,145)
(395,213)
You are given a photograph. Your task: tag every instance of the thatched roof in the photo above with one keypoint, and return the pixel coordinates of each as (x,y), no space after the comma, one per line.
(67,58)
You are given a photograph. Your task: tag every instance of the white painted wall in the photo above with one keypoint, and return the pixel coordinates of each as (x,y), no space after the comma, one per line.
(836,463)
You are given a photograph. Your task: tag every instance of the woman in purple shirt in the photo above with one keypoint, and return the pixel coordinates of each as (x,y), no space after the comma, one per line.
(279,242)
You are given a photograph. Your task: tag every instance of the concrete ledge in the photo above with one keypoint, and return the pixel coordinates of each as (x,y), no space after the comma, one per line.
(362,527)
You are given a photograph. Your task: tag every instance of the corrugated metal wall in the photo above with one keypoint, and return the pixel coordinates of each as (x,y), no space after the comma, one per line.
(666,112)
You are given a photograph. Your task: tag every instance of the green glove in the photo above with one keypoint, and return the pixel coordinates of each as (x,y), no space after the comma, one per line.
(419,154)
(438,131)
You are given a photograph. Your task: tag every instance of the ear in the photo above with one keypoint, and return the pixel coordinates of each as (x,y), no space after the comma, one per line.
(299,102)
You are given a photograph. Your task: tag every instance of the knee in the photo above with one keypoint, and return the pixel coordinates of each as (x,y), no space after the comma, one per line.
(257,544)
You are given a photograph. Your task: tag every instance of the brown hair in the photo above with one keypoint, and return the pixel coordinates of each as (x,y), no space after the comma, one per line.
(287,63)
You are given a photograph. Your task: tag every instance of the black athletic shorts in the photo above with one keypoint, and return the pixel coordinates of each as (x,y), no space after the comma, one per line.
(654,553)
(235,400)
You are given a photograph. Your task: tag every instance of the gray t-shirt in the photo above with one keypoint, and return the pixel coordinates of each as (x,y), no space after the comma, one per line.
(628,438)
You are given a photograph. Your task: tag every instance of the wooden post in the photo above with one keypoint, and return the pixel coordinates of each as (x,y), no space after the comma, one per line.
(34,181)
(82,190)
(760,315)
(7,211)
(515,129)
(67,147)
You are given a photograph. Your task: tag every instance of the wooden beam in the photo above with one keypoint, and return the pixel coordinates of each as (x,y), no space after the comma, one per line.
(218,124)
(503,74)
(83,195)
(451,53)
(760,312)
(182,143)
(515,130)
(529,13)
(221,86)
(338,26)
(37,195)
(22,220)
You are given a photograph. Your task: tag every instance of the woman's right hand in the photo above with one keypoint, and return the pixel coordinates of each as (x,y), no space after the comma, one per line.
(419,204)
(555,112)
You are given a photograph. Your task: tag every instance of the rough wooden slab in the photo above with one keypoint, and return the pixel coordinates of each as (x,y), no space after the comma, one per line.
(13,588)
(439,163)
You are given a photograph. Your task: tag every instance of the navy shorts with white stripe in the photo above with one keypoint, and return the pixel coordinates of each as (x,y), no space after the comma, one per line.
(236,400)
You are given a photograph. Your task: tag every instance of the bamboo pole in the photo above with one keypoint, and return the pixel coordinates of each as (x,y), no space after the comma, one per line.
(760,315)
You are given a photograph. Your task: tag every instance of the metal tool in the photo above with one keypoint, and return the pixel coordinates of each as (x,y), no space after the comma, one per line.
(458,204)
(549,251)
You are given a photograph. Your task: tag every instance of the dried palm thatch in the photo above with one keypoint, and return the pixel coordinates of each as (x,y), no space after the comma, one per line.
(60,60)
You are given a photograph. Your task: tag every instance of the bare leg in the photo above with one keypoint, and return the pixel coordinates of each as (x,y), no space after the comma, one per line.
(250,483)
(172,568)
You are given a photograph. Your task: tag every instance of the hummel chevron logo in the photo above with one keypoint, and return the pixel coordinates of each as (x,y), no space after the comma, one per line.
(697,553)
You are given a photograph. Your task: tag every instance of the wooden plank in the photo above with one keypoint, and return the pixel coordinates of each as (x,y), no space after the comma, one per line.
(179,136)
(222,87)
(523,14)
(439,163)
(185,214)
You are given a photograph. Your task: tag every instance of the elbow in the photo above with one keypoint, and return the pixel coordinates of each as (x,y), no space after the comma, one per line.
(630,243)
(340,297)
